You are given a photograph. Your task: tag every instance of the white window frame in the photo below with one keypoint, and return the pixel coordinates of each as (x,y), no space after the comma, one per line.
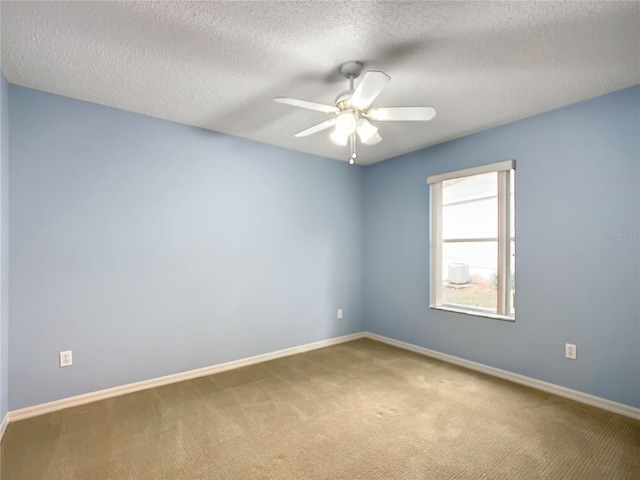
(503,169)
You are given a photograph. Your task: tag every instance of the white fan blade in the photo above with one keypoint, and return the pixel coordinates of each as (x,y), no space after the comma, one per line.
(376,138)
(402,114)
(372,84)
(318,107)
(317,128)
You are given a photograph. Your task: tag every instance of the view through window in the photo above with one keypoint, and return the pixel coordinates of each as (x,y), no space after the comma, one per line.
(473,244)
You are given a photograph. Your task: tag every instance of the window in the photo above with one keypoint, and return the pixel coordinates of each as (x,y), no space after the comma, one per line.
(473,240)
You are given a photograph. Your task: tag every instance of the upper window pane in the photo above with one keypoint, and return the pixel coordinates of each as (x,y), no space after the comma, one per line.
(469,188)
(512,204)
(476,219)
(470,207)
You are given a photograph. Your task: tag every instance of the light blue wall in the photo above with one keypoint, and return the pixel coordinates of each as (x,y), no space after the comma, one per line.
(4,246)
(150,248)
(577,181)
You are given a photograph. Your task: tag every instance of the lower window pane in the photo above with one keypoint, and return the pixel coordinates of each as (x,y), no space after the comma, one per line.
(470,273)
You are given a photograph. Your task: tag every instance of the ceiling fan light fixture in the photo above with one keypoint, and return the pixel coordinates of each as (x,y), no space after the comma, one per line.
(346,123)
(339,137)
(365,130)
(375,139)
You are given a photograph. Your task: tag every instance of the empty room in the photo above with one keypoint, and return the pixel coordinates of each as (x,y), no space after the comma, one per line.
(359,240)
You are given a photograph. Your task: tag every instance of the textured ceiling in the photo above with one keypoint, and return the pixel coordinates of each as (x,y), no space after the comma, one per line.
(217,65)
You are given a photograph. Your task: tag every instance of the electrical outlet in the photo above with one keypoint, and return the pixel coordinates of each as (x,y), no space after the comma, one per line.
(66,360)
(339,314)
(570,351)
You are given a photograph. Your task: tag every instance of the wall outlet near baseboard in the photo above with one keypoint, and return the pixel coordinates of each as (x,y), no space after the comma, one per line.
(66,360)
(570,351)
(339,316)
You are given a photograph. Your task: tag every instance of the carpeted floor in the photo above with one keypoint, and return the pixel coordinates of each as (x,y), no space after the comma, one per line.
(360,410)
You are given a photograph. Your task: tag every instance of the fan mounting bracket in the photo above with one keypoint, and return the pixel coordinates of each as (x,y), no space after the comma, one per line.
(351,69)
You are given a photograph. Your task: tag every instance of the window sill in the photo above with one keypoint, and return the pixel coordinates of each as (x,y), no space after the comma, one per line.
(474,313)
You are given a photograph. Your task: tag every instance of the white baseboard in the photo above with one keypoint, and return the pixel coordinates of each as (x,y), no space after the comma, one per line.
(3,424)
(178,377)
(581,397)
(603,403)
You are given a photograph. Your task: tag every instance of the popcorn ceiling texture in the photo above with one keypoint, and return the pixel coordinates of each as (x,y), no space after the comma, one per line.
(217,65)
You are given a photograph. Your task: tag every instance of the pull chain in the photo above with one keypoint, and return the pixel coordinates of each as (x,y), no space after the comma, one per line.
(352,148)
(352,137)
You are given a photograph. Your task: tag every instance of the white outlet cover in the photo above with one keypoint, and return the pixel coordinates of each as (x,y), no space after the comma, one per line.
(340,314)
(571,351)
(66,359)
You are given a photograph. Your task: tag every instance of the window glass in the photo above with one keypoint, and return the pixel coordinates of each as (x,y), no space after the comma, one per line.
(473,240)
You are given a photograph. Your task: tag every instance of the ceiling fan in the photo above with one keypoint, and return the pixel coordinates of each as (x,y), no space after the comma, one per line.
(352,112)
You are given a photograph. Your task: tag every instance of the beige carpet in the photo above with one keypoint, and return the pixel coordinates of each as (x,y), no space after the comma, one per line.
(360,410)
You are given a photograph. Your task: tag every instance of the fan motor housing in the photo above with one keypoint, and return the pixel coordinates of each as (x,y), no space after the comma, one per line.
(343,100)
